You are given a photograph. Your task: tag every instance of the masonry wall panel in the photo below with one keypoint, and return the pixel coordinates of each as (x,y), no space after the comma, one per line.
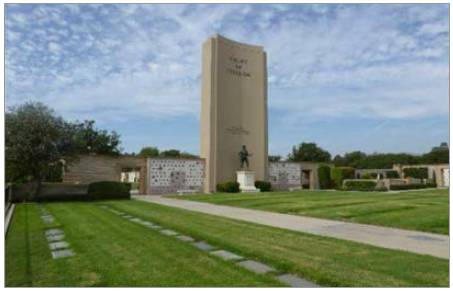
(170,175)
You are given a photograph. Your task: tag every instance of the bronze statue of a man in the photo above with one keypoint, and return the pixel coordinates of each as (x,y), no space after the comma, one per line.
(243,155)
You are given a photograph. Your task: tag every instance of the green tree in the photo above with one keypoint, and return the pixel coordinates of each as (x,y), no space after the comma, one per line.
(339,161)
(354,159)
(98,141)
(275,158)
(170,153)
(36,140)
(438,155)
(149,152)
(186,155)
(309,152)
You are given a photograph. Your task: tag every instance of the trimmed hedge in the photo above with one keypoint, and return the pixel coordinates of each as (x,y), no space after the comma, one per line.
(366,176)
(431,185)
(228,187)
(416,173)
(360,185)
(339,174)
(324,177)
(373,175)
(264,186)
(407,187)
(392,175)
(109,190)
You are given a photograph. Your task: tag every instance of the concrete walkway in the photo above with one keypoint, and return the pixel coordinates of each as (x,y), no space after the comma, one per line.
(391,238)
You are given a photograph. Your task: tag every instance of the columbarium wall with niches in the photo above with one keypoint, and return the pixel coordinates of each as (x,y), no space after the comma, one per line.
(167,175)
(284,175)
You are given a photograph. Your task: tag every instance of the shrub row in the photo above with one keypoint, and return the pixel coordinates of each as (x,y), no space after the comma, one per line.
(416,173)
(233,187)
(360,185)
(96,191)
(392,174)
(228,187)
(339,174)
(324,179)
(264,186)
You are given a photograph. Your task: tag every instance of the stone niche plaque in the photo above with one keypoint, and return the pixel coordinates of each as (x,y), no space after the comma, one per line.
(233,109)
(246,180)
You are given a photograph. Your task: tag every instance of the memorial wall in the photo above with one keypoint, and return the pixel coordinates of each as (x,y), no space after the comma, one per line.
(233,110)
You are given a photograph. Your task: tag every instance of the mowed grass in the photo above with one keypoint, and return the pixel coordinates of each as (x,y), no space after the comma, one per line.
(111,251)
(417,210)
(325,261)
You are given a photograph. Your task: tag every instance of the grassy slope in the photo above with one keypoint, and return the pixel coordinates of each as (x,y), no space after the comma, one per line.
(110,252)
(327,261)
(418,210)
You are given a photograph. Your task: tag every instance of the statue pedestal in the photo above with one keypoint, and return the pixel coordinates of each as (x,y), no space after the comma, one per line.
(246,180)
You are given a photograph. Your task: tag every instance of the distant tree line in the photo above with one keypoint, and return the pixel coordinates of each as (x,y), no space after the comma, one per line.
(310,152)
(172,153)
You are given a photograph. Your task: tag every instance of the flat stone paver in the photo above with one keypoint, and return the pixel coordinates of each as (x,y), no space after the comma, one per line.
(62,254)
(185,238)
(295,281)
(168,232)
(256,267)
(54,231)
(58,245)
(48,220)
(57,237)
(227,255)
(203,246)
(138,220)
(146,223)
(392,238)
(154,226)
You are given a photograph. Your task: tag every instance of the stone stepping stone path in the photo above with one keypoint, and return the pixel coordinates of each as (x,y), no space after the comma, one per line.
(55,237)
(227,255)
(58,245)
(168,232)
(296,281)
(256,267)
(185,238)
(54,231)
(203,246)
(251,265)
(62,254)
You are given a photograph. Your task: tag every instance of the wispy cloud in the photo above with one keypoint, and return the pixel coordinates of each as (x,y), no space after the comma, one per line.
(117,63)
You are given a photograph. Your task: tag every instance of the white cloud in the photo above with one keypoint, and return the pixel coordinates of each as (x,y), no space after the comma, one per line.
(54,47)
(433,28)
(124,62)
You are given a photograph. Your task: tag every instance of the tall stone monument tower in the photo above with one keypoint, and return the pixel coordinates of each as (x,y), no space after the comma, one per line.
(233,109)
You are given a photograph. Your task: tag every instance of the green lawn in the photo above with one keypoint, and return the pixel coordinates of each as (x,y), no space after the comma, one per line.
(418,210)
(112,251)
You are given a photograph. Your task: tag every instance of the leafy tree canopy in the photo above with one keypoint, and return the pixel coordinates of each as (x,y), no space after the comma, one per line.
(36,140)
(97,141)
(149,152)
(359,160)
(309,152)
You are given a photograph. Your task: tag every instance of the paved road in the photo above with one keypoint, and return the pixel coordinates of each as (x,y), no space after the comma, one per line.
(391,238)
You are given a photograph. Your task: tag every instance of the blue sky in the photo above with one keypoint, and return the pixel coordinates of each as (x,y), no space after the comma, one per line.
(348,77)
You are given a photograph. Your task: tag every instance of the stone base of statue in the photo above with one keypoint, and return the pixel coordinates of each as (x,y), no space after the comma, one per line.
(246,180)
